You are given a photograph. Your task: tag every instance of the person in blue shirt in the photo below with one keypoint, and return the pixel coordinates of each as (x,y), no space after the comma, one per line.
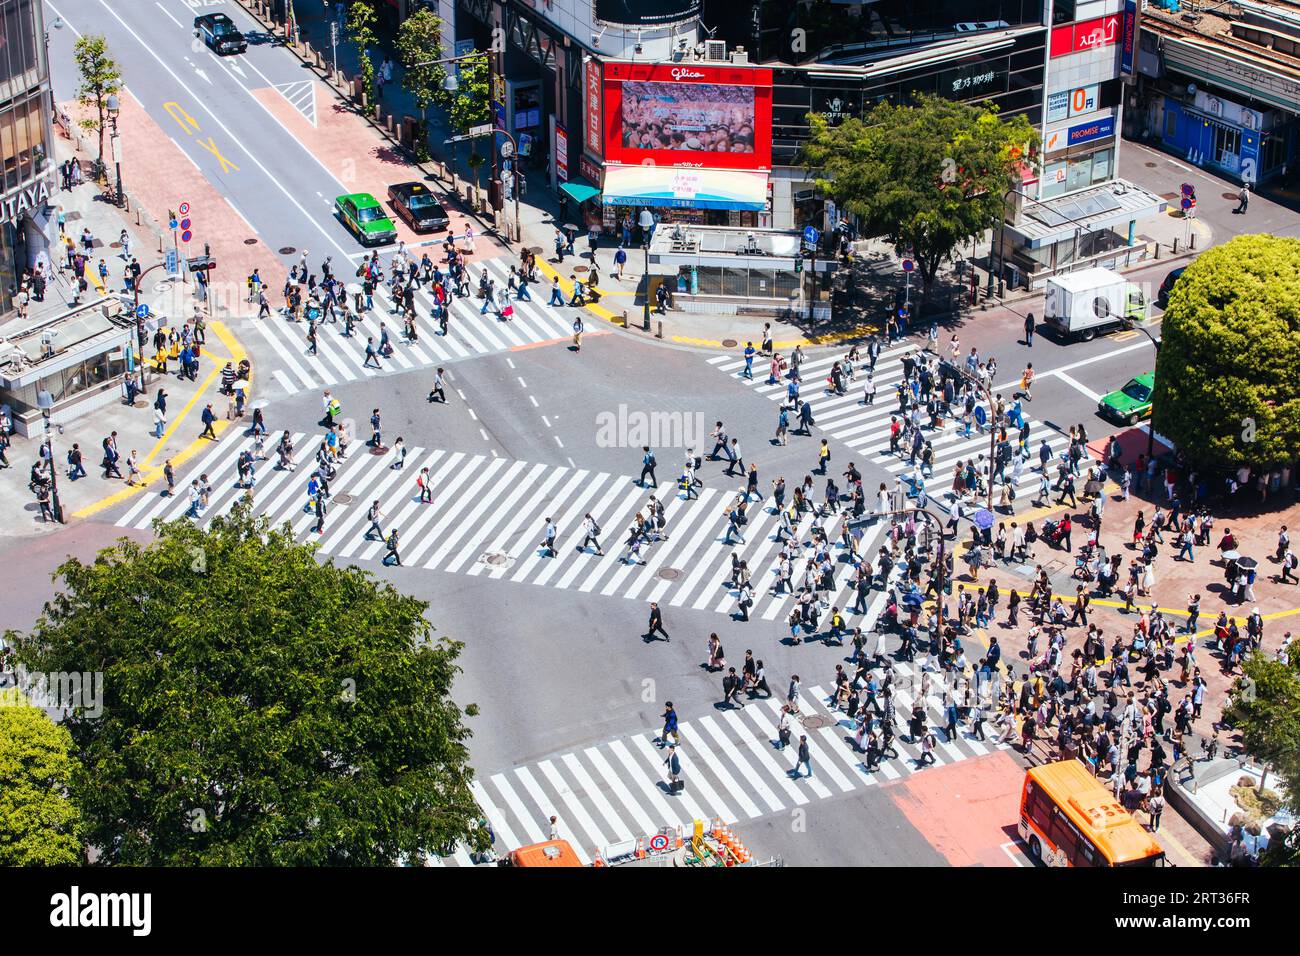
(749,360)
(620,260)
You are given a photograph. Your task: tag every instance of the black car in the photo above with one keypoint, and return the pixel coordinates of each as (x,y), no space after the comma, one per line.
(1162,297)
(418,207)
(219,32)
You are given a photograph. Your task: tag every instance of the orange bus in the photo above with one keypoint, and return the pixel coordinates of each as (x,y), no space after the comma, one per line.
(1069,818)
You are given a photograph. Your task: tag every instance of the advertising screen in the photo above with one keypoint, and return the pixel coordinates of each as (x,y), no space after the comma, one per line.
(688,116)
(645,12)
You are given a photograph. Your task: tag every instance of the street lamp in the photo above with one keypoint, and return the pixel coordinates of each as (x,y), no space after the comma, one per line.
(113,107)
(646,220)
(45,402)
(1151,425)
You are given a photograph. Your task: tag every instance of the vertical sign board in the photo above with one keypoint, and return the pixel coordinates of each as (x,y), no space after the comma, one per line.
(594,134)
(1128,38)
(561,153)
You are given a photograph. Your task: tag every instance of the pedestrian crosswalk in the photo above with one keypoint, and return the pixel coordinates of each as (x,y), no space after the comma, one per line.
(341,359)
(731,764)
(865,428)
(487,518)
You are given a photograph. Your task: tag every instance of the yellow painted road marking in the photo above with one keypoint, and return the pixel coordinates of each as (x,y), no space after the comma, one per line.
(150,472)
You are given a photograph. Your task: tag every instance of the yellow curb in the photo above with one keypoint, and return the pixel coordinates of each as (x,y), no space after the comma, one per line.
(150,472)
(155,472)
(594,308)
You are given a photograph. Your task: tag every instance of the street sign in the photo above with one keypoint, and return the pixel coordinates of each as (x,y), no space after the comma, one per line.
(142,311)
(980,415)
(171,223)
(185,224)
(1187,203)
(184,209)
(810,234)
(171,261)
(186,236)
(472,133)
(908,265)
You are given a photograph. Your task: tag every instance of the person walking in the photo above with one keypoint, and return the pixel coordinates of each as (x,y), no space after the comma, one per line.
(674,765)
(1243,200)
(647,466)
(391,544)
(209,419)
(670,725)
(548,539)
(438,392)
(1029,330)
(804,757)
(577,334)
(656,625)
(591,534)
(320,514)
(374,515)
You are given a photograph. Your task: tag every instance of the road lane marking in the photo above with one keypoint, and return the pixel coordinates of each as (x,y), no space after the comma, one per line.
(1079,386)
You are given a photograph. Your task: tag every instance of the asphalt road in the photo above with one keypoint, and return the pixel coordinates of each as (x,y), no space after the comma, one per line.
(570,690)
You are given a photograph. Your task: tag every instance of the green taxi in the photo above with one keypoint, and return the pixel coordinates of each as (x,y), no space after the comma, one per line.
(365,219)
(1132,403)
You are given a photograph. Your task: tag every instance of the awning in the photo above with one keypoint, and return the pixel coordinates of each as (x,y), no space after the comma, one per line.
(685,188)
(579,190)
(1111,204)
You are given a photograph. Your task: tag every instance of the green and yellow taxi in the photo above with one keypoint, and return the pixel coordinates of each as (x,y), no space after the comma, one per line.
(1132,403)
(365,219)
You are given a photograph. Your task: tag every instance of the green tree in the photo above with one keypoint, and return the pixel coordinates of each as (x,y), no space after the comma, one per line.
(925,176)
(39,823)
(362,21)
(470,104)
(1228,371)
(419,40)
(100,78)
(1265,707)
(259,707)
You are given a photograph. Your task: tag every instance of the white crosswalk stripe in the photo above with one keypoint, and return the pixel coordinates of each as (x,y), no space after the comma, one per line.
(865,428)
(618,791)
(342,359)
(488,514)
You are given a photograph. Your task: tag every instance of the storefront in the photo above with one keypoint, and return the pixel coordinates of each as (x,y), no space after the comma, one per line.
(1217,133)
(691,142)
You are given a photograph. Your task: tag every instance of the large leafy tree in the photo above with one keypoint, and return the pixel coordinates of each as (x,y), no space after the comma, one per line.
(471,104)
(1228,372)
(926,176)
(100,77)
(362,21)
(259,707)
(39,823)
(419,40)
(1265,707)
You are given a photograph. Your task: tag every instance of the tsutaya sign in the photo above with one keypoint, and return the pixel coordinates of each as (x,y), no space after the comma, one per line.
(34,196)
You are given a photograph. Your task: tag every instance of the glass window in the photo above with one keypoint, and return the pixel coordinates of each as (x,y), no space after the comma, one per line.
(1080,174)
(762,283)
(1054,176)
(787,283)
(735,282)
(710,280)
(1171,124)
(1101,162)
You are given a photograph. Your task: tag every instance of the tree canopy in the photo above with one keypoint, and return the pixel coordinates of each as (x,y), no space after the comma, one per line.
(927,176)
(259,707)
(1228,372)
(419,41)
(100,77)
(39,823)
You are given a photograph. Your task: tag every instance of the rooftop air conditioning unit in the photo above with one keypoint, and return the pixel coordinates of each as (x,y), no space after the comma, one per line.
(715,50)
(738,55)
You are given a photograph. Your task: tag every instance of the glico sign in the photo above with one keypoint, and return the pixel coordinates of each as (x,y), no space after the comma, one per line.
(688,115)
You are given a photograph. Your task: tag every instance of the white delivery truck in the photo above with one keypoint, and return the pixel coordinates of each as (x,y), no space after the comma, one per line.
(1081,304)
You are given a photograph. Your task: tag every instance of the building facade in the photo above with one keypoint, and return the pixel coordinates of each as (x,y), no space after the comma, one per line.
(1221,88)
(26,114)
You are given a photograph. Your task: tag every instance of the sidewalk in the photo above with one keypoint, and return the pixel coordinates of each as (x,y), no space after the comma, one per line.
(84,207)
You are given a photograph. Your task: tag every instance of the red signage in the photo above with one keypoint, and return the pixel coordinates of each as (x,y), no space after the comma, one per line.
(688,114)
(588,169)
(561,153)
(593,136)
(1087,35)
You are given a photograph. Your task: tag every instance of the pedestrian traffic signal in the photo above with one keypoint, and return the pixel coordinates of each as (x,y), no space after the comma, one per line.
(798,264)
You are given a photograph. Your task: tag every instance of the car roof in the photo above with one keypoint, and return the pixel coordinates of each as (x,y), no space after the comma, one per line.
(360,200)
(215,18)
(1145,378)
(408,188)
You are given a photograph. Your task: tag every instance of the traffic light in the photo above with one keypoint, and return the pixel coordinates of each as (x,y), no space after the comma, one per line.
(798,264)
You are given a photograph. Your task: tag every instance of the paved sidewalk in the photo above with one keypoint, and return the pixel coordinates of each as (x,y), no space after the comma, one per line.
(85,207)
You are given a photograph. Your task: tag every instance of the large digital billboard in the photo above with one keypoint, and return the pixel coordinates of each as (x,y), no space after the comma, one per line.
(645,12)
(688,115)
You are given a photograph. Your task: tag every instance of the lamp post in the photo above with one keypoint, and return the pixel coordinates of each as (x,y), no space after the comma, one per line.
(139,319)
(646,221)
(114,107)
(45,401)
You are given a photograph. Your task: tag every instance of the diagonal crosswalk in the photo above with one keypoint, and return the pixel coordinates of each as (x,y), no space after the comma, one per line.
(617,791)
(488,514)
(865,428)
(341,359)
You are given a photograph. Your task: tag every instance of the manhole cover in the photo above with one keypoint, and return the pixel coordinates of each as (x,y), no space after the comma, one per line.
(115,245)
(818,721)
(378,449)
(729,343)
(1149,165)
(669,574)
(495,559)
(581,269)
(287,250)
(1230,196)
(1169,195)
(250,242)
(343,499)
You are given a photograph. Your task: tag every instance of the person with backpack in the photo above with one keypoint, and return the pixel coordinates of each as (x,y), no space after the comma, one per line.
(591,534)
(647,466)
